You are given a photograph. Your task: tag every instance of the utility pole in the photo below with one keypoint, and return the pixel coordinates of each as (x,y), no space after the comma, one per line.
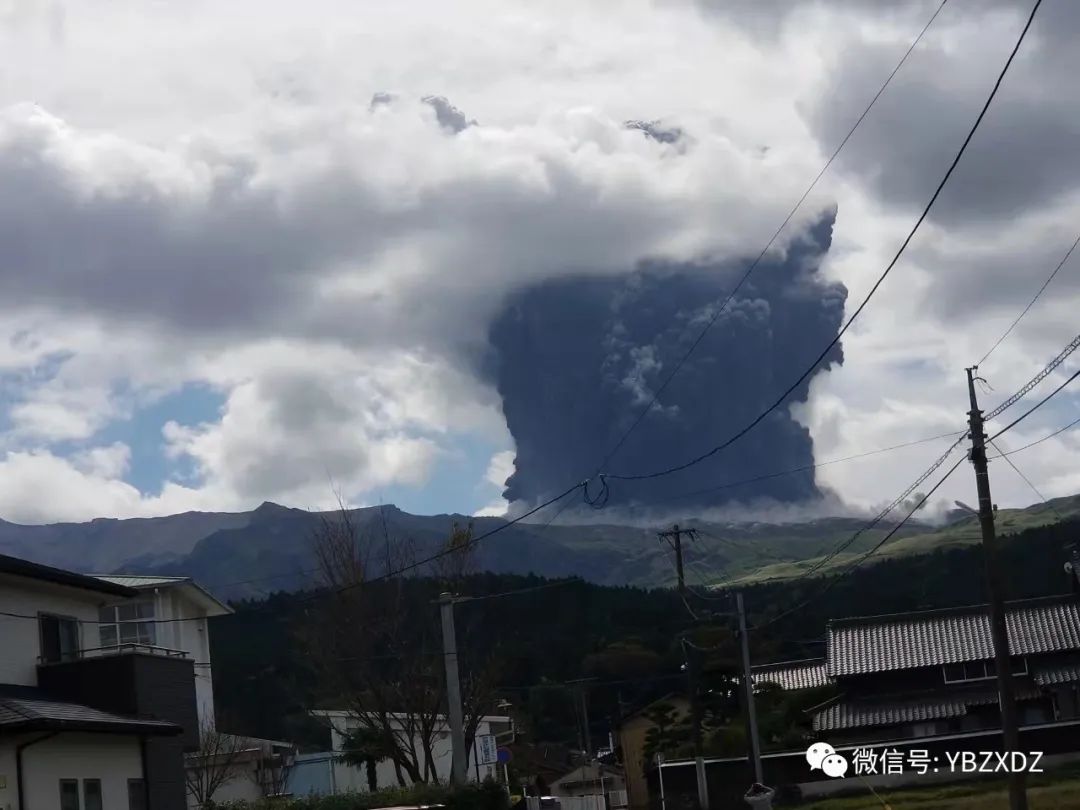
(674,536)
(695,720)
(581,708)
(585,721)
(748,691)
(453,691)
(994,588)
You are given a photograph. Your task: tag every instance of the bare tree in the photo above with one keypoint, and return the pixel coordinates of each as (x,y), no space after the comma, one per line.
(375,645)
(272,770)
(214,764)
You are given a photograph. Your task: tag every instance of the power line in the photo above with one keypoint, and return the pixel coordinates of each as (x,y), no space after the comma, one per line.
(1031,303)
(847,325)
(318,595)
(1034,408)
(560,584)
(1027,481)
(753,265)
(809,467)
(706,490)
(1071,424)
(446,551)
(830,583)
(1072,346)
(884,512)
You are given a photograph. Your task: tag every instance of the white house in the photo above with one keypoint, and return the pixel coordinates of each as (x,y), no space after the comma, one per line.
(183,608)
(85,728)
(343,778)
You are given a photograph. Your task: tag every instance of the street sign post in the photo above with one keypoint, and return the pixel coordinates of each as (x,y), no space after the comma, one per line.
(487,752)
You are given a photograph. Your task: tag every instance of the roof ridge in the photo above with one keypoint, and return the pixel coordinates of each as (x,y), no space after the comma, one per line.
(1054,599)
(790,663)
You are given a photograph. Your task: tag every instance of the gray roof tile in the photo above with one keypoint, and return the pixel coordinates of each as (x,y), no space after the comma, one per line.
(28,707)
(790,675)
(845,714)
(1064,672)
(911,640)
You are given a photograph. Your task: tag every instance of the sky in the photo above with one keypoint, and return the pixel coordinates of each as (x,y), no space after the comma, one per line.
(226,276)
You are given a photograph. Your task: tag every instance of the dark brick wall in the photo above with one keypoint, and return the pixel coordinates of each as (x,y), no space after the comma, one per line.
(165,774)
(149,686)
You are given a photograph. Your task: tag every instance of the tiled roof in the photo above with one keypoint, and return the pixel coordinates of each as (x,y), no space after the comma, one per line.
(25,708)
(859,714)
(910,640)
(1064,672)
(790,675)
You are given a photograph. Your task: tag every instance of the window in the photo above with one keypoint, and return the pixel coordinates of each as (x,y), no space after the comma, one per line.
(91,794)
(981,670)
(69,794)
(59,638)
(127,624)
(136,794)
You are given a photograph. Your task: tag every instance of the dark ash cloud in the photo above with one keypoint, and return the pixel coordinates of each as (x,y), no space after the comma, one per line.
(575,360)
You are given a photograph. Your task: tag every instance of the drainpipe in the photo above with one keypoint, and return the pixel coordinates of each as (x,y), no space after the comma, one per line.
(18,763)
(142,764)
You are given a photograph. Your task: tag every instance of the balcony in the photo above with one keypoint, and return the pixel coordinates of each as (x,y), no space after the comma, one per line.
(142,680)
(130,648)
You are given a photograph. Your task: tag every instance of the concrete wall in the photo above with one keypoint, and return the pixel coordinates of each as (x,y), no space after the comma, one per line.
(20,639)
(111,758)
(441,750)
(8,796)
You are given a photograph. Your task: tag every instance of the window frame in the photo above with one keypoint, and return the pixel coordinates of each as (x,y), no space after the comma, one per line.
(71,783)
(86,795)
(1018,666)
(144,626)
(61,620)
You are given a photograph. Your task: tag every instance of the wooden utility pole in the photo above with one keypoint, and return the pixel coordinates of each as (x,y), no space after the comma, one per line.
(455,714)
(694,688)
(674,536)
(748,691)
(995,592)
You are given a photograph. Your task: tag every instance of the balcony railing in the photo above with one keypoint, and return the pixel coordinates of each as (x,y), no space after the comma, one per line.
(116,649)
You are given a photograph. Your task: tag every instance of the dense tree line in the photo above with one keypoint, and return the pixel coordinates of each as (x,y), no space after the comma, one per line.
(627,639)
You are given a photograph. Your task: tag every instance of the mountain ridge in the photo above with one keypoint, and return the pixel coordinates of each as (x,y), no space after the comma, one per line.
(269,548)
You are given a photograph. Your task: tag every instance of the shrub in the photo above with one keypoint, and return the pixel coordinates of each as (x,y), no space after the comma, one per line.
(488,796)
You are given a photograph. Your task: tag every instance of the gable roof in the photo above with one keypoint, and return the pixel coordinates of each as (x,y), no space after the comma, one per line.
(808,673)
(869,644)
(199,594)
(14,566)
(24,708)
(913,708)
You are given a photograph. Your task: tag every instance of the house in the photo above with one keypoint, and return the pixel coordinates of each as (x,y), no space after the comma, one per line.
(342,778)
(171,613)
(932,672)
(922,681)
(540,764)
(235,768)
(82,726)
(593,780)
(633,733)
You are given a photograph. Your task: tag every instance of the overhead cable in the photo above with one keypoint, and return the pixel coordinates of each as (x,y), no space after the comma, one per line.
(866,300)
